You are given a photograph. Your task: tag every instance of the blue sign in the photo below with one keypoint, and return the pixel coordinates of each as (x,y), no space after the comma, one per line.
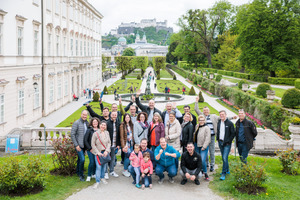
(12,144)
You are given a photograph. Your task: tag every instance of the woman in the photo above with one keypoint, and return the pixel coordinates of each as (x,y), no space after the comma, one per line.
(93,127)
(173,133)
(127,141)
(101,147)
(202,140)
(140,128)
(187,130)
(156,131)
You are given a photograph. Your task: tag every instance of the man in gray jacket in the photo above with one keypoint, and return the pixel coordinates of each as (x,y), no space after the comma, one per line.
(79,128)
(212,123)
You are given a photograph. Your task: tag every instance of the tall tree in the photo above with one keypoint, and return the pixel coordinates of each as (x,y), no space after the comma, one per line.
(207,24)
(159,62)
(128,52)
(269,35)
(105,60)
(124,63)
(142,63)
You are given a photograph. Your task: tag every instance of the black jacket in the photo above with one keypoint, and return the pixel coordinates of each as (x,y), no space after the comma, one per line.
(128,107)
(119,116)
(194,122)
(191,162)
(187,134)
(110,129)
(250,132)
(144,108)
(88,138)
(229,132)
(93,114)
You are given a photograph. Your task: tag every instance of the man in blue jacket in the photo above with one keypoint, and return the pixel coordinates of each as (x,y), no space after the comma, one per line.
(165,156)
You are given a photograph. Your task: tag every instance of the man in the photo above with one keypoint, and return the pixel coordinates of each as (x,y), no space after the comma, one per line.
(165,156)
(191,165)
(105,113)
(132,109)
(79,128)
(225,135)
(245,134)
(114,132)
(187,109)
(150,109)
(211,121)
(114,108)
(143,150)
(170,107)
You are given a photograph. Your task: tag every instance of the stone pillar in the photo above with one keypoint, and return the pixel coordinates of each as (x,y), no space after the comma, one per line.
(259,143)
(295,130)
(26,136)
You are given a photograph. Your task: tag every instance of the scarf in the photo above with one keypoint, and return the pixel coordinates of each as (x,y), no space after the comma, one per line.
(144,125)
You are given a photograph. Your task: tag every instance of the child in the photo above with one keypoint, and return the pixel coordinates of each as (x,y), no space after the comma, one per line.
(146,169)
(136,157)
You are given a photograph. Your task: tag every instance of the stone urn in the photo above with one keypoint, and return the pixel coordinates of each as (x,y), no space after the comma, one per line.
(270,95)
(204,73)
(295,130)
(211,76)
(199,72)
(245,87)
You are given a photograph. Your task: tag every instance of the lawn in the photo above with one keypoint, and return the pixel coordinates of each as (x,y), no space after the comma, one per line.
(279,185)
(133,74)
(121,89)
(174,85)
(228,107)
(76,115)
(201,105)
(57,187)
(278,91)
(165,74)
(233,80)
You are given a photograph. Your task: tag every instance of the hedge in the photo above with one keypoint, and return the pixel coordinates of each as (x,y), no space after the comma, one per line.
(297,83)
(285,81)
(258,77)
(210,70)
(226,73)
(241,75)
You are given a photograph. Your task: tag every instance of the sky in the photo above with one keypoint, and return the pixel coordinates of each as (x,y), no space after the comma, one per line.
(117,11)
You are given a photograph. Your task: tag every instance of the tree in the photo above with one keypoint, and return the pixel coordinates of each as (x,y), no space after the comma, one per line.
(142,63)
(206,24)
(128,52)
(159,62)
(170,58)
(269,35)
(124,63)
(105,60)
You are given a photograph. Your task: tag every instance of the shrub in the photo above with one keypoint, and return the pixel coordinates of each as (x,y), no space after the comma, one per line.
(297,84)
(205,84)
(262,89)
(105,90)
(295,120)
(148,97)
(174,77)
(291,98)
(64,157)
(290,161)
(285,81)
(212,87)
(20,177)
(241,82)
(218,77)
(258,77)
(201,99)
(249,177)
(195,80)
(192,91)
(96,97)
(138,77)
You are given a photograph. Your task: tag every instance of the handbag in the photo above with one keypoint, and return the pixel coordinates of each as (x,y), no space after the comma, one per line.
(103,159)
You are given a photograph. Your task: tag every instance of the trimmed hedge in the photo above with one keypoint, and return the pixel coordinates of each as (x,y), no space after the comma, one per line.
(210,70)
(259,78)
(241,82)
(291,98)
(218,77)
(226,73)
(297,83)
(241,75)
(262,89)
(285,81)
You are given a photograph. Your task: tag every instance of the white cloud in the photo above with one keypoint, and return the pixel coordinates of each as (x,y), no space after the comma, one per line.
(116,11)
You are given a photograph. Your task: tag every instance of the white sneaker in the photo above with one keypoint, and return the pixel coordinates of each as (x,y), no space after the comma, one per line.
(96,185)
(126,173)
(88,179)
(171,180)
(161,181)
(94,176)
(104,181)
(106,176)
(114,174)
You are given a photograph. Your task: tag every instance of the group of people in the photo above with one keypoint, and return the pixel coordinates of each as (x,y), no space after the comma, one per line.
(151,140)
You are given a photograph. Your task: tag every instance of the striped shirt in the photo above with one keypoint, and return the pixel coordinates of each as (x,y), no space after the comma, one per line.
(210,125)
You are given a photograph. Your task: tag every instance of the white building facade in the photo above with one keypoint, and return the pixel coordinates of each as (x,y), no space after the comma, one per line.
(34,83)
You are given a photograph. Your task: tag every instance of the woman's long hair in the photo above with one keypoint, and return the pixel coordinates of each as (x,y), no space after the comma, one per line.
(130,122)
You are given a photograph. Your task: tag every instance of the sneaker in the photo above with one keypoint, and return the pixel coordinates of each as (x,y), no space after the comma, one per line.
(171,180)
(104,181)
(183,182)
(197,182)
(106,176)
(161,181)
(150,186)
(222,177)
(96,185)
(143,187)
(81,178)
(226,173)
(126,173)
(133,182)
(94,176)
(138,185)
(88,179)
(114,174)
(206,176)
(211,169)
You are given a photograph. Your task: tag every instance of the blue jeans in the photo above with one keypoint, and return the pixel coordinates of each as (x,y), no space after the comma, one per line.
(132,172)
(126,159)
(159,170)
(203,157)
(243,151)
(211,152)
(137,171)
(112,163)
(92,164)
(80,162)
(100,170)
(225,150)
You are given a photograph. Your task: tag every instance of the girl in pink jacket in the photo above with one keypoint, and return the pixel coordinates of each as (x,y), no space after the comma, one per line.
(146,169)
(136,156)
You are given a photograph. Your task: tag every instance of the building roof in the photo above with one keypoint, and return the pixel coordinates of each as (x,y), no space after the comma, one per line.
(122,39)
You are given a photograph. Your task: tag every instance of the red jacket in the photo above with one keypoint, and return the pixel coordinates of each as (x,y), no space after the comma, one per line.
(146,165)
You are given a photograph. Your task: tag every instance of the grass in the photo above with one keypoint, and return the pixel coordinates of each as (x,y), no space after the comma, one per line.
(174,85)
(119,86)
(133,74)
(228,107)
(76,115)
(201,105)
(233,80)
(57,187)
(278,91)
(279,185)
(165,74)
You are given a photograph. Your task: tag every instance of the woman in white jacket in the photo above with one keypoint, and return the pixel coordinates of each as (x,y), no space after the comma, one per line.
(140,127)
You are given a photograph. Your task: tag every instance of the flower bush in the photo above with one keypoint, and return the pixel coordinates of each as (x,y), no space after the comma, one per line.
(290,161)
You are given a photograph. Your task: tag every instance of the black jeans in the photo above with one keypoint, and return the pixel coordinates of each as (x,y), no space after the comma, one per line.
(149,179)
